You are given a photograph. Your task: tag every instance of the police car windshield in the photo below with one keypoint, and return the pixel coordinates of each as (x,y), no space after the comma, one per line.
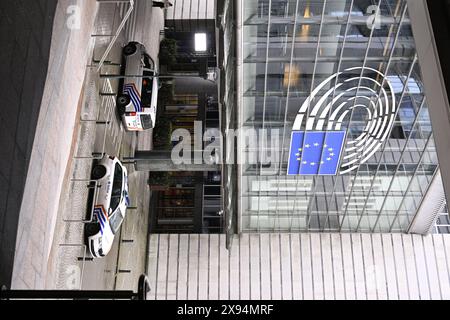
(116,191)
(116,221)
(148,62)
(147,91)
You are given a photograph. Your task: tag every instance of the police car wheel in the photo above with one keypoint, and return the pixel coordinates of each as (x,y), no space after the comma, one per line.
(123,100)
(121,110)
(129,49)
(91,229)
(98,172)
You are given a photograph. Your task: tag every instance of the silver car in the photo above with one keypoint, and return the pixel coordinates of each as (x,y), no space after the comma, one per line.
(137,102)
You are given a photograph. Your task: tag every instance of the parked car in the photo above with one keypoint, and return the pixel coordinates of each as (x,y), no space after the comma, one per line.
(137,102)
(107,203)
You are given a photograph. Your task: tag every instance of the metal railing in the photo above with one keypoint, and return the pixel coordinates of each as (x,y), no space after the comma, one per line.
(442,223)
(118,31)
(96,118)
(141,294)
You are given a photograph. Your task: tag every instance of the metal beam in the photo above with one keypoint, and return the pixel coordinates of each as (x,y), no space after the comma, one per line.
(434,85)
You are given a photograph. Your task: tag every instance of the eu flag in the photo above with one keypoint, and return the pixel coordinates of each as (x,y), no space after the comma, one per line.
(315,152)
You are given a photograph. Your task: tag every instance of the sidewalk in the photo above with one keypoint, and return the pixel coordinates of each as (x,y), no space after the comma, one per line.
(52,145)
(25,33)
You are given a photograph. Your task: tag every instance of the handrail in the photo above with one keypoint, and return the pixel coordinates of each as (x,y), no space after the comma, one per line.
(119,29)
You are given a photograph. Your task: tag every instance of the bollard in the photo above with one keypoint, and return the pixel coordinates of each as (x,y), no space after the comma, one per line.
(85,259)
(123,271)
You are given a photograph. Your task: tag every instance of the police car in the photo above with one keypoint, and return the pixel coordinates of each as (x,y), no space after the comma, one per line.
(109,204)
(137,102)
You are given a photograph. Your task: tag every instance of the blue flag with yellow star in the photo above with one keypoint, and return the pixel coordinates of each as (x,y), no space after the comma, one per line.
(315,152)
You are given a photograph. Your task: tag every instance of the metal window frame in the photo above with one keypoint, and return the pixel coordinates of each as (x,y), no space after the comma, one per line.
(329,112)
(351,114)
(264,108)
(294,31)
(307,114)
(379,95)
(312,194)
(400,162)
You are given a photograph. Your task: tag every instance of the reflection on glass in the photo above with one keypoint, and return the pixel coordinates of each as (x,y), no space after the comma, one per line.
(305,43)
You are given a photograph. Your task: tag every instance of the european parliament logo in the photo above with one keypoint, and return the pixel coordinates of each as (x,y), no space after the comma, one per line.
(315,152)
(318,142)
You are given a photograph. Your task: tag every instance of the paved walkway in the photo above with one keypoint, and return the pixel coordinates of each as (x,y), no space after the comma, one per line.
(65,269)
(306,266)
(53,140)
(25,33)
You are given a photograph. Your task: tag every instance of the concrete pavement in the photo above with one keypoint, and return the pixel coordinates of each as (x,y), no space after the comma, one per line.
(25,33)
(51,149)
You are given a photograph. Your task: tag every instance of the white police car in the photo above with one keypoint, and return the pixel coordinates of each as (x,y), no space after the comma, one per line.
(137,102)
(109,203)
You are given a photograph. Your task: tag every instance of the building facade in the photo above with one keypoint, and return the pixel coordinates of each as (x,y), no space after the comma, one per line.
(299,77)
(345,74)
(333,66)
(187,201)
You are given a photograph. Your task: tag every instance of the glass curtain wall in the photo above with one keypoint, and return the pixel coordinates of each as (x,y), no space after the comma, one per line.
(290,48)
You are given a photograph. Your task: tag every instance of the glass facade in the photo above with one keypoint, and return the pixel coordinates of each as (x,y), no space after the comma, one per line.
(289,49)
